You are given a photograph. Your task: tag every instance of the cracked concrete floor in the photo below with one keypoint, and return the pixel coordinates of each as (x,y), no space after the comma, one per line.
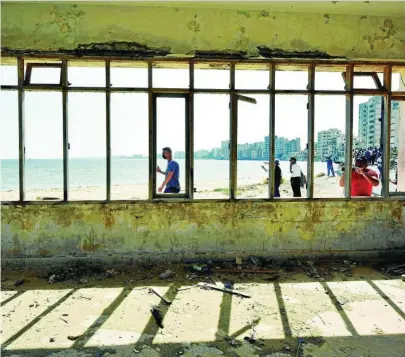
(361,315)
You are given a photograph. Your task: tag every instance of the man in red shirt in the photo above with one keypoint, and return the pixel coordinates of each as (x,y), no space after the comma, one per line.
(363,179)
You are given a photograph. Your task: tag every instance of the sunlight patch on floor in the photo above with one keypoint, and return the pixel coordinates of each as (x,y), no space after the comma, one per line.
(193,317)
(71,318)
(127,323)
(22,310)
(260,311)
(311,312)
(395,290)
(7,295)
(369,313)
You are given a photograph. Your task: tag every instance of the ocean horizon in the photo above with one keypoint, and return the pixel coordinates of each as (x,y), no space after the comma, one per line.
(91,172)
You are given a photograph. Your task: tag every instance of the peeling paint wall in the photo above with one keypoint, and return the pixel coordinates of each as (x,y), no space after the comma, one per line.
(156,229)
(53,26)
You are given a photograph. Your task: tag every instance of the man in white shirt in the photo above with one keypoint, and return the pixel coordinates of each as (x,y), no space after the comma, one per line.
(295,177)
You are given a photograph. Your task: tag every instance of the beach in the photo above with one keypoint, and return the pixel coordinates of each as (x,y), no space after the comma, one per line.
(323,187)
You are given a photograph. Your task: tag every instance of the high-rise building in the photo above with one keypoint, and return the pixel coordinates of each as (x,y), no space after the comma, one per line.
(369,131)
(330,143)
(225,149)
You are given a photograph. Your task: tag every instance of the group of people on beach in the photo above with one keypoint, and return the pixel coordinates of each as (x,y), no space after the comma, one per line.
(363,179)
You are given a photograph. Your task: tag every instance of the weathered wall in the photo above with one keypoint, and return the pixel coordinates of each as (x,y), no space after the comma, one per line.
(157,229)
(51,26)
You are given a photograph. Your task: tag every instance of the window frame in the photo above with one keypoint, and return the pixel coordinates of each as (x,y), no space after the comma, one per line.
(153,93)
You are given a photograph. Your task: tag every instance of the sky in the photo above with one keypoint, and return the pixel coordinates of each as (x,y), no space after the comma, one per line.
(129,111)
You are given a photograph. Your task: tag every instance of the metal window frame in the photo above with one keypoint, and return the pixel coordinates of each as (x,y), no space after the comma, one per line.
(153,160)
(188,93)
(31,66)
(373,75)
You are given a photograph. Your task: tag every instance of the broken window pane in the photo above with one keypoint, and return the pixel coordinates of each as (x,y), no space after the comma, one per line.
(291,79)
(211,75)
(124,74)
(291,135)
(8,73)
(329,148)
(165,76)
(87,154)
(211,147)
(171,133)
(129,146)
(367,129)
(9,153)
(44,75)
(86,74)
(253,131)
(43,146)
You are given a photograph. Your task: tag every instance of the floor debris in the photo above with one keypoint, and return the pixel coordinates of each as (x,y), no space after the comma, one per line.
(225,290)
(158,293)
(167,274)
(157,316)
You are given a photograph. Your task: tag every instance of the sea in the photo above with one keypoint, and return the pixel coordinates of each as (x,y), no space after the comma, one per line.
(86,172)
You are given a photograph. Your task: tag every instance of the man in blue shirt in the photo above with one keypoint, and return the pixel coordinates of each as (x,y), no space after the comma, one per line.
(172,173)
(329,166)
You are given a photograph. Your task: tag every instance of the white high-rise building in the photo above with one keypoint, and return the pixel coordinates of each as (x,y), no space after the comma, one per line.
(369,131)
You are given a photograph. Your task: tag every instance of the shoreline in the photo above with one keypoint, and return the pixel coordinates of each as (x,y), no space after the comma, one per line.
(324,187)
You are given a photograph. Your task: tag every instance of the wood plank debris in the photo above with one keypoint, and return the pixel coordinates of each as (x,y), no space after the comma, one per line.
(158,293)
(229,291)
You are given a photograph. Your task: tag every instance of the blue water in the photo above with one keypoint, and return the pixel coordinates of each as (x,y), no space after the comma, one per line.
(41,174)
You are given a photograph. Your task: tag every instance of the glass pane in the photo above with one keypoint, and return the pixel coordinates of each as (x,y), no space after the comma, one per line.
(246,78)
(171,133)
(166,77)
(291,129)
(327,80)
(43,146)
(397,159)
(329,153)
(86,74)
(9,146)
(87,154)
(129,146)
(297,80)
(8,74)
(214,76)
(211,147)
(253,126)
(398,79)
(43,75)
(126,75)
(367,127)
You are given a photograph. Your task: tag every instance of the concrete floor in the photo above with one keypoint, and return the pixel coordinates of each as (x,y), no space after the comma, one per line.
(355,314)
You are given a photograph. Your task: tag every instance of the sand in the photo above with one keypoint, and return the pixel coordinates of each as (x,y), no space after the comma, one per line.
(324,187)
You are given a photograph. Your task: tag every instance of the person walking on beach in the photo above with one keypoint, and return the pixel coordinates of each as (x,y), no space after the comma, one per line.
(329,166)
(295,171)
(363,179)
(277,178)
(172,173)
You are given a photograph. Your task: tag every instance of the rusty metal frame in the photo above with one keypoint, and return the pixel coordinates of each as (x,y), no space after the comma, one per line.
(30,66)
(65,124)
(108,129)
(188,93)
(386,133)
(233,136)
(152,161)
(349,130)
(21,130)
(272,129)
(311,134)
